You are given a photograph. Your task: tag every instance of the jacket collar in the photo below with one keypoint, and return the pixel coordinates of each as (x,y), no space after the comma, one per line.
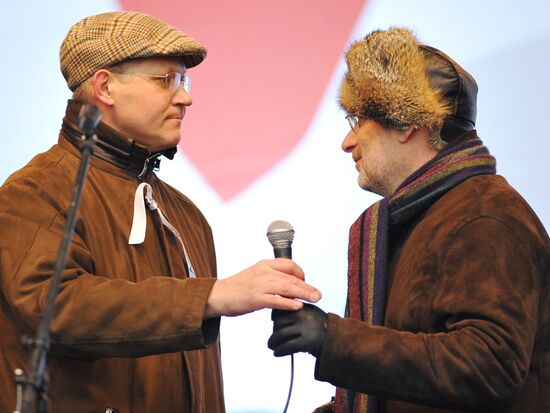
(113,147)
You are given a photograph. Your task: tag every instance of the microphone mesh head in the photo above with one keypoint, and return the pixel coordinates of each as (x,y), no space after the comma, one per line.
(280,234)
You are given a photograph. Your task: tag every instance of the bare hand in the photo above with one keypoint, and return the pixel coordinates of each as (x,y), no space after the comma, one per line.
(275,284)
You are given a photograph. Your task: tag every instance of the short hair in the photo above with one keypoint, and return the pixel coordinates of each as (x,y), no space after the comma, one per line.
(436,141)
(83,92)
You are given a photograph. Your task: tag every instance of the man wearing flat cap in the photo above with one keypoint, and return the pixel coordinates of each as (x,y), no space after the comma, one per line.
(447,307)
(138,312)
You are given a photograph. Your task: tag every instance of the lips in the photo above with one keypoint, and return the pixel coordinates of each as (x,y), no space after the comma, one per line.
(176,116)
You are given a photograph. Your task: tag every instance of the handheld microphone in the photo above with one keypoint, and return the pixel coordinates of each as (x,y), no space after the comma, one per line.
(88,118)
(281,234)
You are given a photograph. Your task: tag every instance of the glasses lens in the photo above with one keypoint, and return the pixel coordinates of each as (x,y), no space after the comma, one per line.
(187,83)
(176,79)
(352,120)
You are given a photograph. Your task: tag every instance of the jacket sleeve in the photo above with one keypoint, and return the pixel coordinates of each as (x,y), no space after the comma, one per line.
(95,316)
(487,299)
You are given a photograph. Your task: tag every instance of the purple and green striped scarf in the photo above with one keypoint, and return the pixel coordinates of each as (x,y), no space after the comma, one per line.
(368,241)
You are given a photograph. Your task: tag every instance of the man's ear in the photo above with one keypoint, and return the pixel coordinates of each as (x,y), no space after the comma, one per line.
(101,83)
(406,134)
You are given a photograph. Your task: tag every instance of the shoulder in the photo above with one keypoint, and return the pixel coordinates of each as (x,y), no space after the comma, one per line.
(40,191)
(48,168)
(45,176)
(486,201)
(485,196)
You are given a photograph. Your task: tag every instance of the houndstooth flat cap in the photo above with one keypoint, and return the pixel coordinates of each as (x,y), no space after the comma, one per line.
(105,39)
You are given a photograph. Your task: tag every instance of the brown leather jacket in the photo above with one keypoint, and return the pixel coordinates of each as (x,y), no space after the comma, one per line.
(127,315)
(467,323)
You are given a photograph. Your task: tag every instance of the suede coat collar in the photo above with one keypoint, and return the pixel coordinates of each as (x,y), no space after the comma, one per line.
(114,147)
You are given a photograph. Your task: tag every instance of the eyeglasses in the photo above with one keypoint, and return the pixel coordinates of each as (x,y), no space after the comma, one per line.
(172,80)
(353,121)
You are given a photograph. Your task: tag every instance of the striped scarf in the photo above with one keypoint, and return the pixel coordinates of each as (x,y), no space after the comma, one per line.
(368,241)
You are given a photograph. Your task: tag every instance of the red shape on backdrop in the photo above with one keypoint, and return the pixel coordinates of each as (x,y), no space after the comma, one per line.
(267,68)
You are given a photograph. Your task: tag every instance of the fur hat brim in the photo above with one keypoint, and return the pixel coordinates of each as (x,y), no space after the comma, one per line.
(386,81)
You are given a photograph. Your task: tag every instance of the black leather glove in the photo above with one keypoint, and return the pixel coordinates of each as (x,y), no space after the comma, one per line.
(296,331)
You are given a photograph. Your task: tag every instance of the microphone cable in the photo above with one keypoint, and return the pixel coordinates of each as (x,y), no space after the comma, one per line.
(291,382)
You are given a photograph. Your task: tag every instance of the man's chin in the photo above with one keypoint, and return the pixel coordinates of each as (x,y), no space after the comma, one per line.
(362,182)
(373,187)
(170,142)
(164,146)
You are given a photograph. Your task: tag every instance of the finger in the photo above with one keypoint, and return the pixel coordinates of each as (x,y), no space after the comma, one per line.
(288,347)
(276,302)
(290,287)
(284,318)
(275,314)
(288,267)
(277,278)
(281,336)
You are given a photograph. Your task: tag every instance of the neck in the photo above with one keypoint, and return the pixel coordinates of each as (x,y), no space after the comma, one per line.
(414,152)
(114,147)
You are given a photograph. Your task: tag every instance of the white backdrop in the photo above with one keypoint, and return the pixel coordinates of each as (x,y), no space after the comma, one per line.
(505,45)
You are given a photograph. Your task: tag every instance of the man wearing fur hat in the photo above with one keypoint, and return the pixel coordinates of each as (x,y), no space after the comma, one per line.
(447,304)
(139,289)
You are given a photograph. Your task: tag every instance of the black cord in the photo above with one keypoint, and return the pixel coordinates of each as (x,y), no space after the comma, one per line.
(291,382)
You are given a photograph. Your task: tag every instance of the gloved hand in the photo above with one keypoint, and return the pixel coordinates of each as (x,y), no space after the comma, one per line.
(296,331)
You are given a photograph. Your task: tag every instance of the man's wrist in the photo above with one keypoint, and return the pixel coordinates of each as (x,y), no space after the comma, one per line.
(212,309)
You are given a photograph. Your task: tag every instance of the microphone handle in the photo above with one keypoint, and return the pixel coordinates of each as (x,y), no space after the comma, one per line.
(283,252)
(286,252)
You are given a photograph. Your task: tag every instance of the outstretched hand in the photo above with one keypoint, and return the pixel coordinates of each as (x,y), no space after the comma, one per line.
(275,283)
(297,331)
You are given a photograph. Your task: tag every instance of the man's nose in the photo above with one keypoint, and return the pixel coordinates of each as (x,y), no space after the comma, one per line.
(182,97)
(349,142)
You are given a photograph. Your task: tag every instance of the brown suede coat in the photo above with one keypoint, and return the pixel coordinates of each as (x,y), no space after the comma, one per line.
(467,323)
(125,314)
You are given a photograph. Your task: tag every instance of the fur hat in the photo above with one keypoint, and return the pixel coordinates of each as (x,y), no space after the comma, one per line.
(387,81)
(105,39)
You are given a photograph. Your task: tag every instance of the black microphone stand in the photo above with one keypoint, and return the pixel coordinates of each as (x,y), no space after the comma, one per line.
(33,386)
